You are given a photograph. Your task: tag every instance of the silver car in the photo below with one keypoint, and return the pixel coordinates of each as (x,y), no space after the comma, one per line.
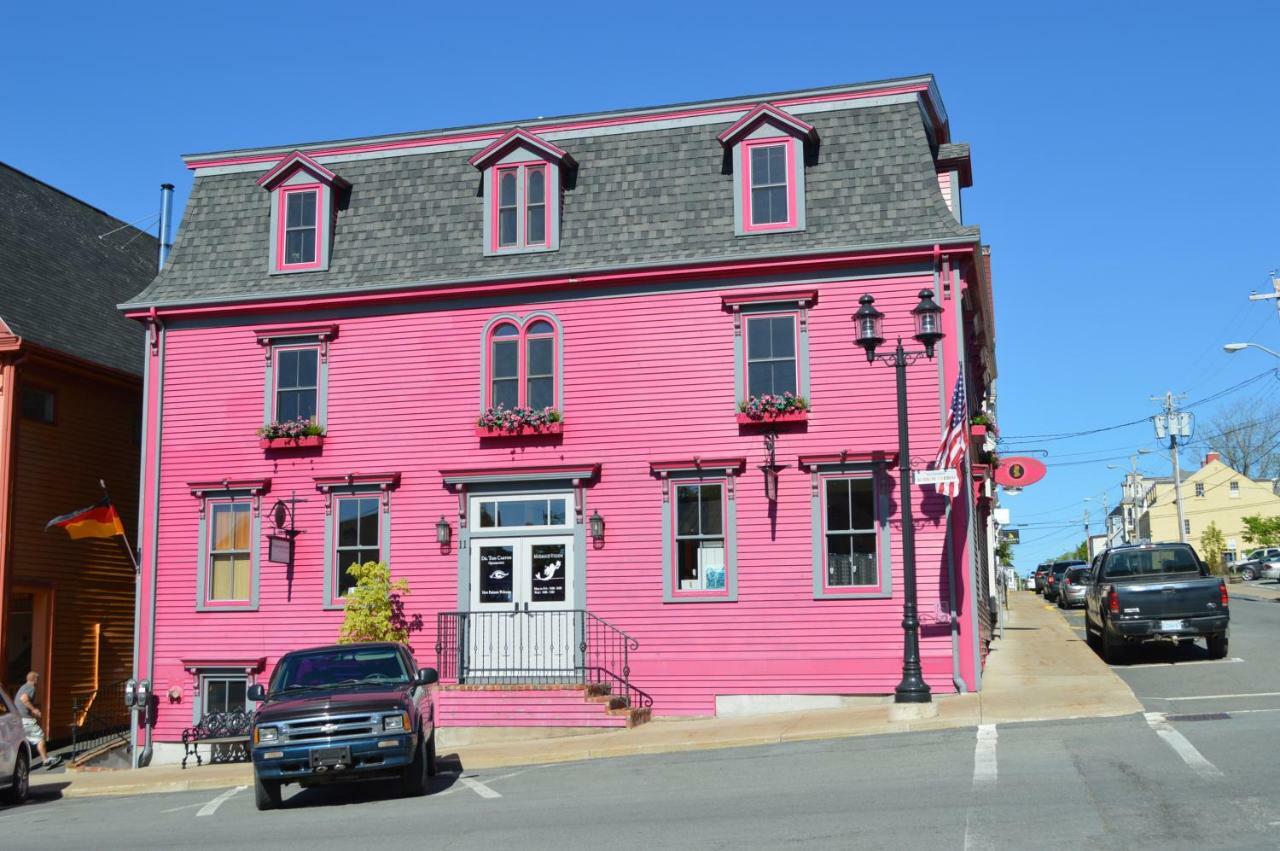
(1071,590)
(15,754)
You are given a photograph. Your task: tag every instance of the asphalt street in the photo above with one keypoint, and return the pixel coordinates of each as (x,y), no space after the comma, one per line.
(1196,771)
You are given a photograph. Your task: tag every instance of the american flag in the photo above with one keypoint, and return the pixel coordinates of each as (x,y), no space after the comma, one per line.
(954,441)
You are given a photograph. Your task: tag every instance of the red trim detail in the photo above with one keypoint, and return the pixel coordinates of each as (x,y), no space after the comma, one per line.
(873,456)
(747,225)
(727,466)
(764,112)
(279,443)
(518,136)
(384,480)
(522,431)
(282,226)
(803,298)
(772,419)
(289,164)
(674,273)
(419,141)
(322,332)
(253,486)
(538,469)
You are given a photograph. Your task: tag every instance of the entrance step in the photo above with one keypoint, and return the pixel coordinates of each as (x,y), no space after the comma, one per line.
(519,705)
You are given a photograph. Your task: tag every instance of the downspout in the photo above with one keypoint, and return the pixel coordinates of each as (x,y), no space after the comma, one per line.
(8,387)
(158,330)
(947,291)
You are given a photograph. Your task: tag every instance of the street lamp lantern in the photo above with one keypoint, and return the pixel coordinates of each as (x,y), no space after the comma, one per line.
(928,316)
(867,322)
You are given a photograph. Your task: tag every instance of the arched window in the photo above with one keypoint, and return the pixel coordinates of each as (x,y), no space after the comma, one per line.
(523,364)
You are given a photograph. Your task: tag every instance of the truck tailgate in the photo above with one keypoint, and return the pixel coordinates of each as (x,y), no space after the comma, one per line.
(1170,598)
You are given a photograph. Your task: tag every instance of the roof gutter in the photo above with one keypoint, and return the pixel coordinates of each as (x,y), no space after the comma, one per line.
(799,261)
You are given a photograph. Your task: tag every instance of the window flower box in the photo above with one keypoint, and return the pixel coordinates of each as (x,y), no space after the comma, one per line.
(518,422)
(291,434)
(768,409)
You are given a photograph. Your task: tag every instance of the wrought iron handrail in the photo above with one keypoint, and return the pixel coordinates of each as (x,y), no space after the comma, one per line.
(538,647)
(99,718)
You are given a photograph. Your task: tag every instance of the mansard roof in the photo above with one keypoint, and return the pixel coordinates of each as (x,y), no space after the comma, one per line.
(652,188)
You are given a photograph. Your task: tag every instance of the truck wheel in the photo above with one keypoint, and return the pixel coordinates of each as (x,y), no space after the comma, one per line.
(413,779)
(266,793)
(1248,574)
(1089,638)
(1110,648)
(1217,645)
(432,766)
(17,792)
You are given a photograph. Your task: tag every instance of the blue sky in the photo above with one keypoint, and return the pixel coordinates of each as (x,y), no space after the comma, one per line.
(1124,167)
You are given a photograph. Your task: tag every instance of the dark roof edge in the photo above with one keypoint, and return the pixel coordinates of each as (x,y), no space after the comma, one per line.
(80,201)
(945,242)
(531,124)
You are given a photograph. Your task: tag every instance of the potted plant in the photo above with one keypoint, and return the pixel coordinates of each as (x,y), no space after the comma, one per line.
(773,408)
(301,432)
(504,421)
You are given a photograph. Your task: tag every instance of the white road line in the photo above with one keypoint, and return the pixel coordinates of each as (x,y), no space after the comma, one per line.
(1182,747)
(456,787)
(1177,664)
(984,757)
(212,807)
(1219,696)
(183,807)
(479,788)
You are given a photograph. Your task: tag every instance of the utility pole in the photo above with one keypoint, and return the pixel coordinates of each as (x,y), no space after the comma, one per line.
(1174,424)
(1274,296)
(1087,554)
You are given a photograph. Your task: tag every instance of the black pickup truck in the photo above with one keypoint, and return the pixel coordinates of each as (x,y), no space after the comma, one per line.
(344,712)
(1154,592)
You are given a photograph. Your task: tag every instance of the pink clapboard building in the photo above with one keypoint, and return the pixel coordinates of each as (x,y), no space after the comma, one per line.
(532,357)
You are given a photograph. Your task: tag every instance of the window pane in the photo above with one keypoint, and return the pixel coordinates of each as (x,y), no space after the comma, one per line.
(507,188)
(522,512)
(369,523)
(507,226)
(293,205)
(223,528)
(497,569)
(760,167)
(686,509)
(535,228)
(306,369)
(348,522)
(240,582)
(346,581)
(286,405)
(536,193)
(837,505)
(782,332)
(541,393)
(851,560)
(240,511)
(506,393)
(295,245)
(863,504)
(777,163)
(215,696)
(287,368)
(547,573)
(505,358)
(557,512)
(712,522)
(541,352)
(700,565)
(542,326)
(235,694)
(759,338)
(769,205)
(759,378)
(229,577)
(506,330)
(783,376)
(488,515)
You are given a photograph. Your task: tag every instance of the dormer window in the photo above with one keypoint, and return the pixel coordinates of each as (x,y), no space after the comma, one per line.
(522,179)
(302,213)
(768,149)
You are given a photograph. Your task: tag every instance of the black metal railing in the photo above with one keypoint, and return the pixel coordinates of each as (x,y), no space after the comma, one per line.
(99,718)
(544,647)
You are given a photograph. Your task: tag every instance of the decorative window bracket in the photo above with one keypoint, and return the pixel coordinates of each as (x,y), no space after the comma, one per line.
(383,483)
(230,487)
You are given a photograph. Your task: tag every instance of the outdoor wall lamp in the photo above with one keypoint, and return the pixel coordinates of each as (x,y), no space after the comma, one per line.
(443,532)
(597,527)
(927,316)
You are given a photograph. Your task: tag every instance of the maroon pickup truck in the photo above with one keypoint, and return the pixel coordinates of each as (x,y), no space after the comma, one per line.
(1154,592)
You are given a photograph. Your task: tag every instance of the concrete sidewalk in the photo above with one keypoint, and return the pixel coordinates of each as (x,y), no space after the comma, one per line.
(1266,590)
(1039,671)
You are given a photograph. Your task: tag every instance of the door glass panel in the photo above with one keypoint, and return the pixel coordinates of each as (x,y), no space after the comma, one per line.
(497,570)
(547,569)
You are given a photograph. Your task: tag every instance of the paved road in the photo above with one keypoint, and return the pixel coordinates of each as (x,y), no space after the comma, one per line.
(1160,780)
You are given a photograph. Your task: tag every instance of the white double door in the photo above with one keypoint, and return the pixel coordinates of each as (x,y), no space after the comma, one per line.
(523,627)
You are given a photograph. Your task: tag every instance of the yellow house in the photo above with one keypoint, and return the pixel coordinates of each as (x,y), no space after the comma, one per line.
(1214,494)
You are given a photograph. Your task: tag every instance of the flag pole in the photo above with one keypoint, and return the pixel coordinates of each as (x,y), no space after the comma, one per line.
(128,549)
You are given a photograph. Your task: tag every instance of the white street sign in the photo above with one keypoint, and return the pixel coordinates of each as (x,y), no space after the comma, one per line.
(934,477)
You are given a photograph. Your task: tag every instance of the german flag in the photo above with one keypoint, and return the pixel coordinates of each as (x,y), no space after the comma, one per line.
(99,520)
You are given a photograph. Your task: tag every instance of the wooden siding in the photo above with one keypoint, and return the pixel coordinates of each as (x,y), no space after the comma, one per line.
(543,708)
(646,377)
(944,183)
(56,470)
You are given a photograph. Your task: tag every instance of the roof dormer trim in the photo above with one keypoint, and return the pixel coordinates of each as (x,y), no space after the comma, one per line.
(766,112)
(298,161)
(519,137)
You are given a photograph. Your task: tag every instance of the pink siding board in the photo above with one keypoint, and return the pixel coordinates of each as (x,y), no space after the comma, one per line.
(556,708)
(944,183)
(646,377)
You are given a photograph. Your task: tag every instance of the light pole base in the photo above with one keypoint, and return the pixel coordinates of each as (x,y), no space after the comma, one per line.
(912,711)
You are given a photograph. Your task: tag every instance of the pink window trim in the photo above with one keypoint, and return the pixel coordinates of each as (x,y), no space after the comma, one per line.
(335,598)
(275,374)
(723,482)
(522,361)
(850,590)
(282,222)
(207,555)
(790,158)
(522,212)
(794,316)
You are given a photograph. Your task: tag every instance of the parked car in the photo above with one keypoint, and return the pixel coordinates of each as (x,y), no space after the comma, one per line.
(1040,574)
(15,754)
(1269,555)
(1072,588)
(1270,571)
(1251,570)
(1053,578)
(1155,592)
(342,713)
(1029,583)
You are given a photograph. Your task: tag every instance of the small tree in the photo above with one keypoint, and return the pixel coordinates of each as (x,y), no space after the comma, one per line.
(1004,553)
(374,611)
(1212,543)
(1261,531)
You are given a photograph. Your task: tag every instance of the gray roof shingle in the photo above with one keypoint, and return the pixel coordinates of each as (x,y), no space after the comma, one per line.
(642,198)
(60,283)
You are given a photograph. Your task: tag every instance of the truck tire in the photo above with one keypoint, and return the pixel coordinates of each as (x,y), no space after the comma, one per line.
(1217,645)
(266,793)
(413,778)
(1110,648)
(1248,574)
(432,766)
(17,792)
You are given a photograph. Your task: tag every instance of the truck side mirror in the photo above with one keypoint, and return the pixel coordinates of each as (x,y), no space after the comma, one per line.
(427,676)
(257,693)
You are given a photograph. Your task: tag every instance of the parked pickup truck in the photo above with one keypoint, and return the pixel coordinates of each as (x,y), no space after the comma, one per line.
(344,712)
(1154,592)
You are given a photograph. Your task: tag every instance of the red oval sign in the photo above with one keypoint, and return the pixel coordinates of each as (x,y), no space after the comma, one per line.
(1018,472)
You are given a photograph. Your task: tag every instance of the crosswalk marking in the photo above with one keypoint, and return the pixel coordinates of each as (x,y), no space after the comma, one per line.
(212,807)
(1181,746)
(479,788)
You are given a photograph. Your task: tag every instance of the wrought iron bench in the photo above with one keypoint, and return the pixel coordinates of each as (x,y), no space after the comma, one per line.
(226,734)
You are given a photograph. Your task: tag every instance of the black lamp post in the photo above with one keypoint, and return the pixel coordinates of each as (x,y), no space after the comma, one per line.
(928,324)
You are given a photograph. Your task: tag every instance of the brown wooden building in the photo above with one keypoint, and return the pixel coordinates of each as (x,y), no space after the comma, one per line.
(70,401)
